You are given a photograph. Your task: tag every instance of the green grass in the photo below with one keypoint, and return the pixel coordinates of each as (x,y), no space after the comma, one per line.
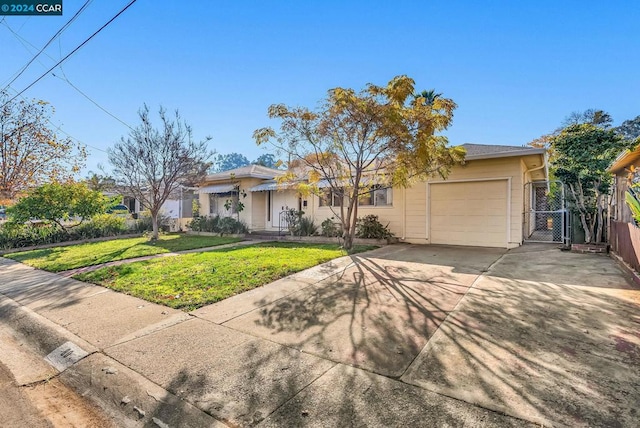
(192,280)
(59,259)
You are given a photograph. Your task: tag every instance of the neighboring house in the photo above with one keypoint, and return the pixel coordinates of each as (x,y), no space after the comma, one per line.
(179,207)
(482,203)
(230,187)
(624,235)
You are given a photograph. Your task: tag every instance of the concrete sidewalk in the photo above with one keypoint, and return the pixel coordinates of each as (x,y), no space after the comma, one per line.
(400,336)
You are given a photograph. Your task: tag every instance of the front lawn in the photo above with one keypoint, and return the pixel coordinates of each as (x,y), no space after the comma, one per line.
(189,281)
(59,259)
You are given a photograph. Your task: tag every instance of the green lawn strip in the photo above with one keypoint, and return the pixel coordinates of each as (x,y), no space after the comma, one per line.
(59,259)
(190,281)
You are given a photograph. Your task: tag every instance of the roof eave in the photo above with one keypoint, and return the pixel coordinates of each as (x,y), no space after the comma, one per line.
(506,154)
(216,177)
(624,159)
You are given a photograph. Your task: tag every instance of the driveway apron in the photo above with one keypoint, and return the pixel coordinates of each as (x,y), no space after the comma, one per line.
(547,336)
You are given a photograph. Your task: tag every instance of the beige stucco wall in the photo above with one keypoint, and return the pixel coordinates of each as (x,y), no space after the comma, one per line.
(408,215)
(247,214)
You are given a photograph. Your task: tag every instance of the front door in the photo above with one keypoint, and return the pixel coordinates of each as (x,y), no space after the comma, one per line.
(279,203)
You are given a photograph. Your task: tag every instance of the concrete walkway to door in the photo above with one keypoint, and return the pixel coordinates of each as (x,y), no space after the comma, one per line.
(400,336)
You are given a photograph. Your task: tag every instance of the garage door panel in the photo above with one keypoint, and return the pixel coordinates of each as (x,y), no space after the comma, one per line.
(448,208)
(469,213)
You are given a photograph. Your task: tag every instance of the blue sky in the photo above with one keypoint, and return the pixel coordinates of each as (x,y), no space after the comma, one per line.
(515,69)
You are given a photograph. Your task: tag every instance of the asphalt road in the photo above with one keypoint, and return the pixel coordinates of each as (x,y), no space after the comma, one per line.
(16,408)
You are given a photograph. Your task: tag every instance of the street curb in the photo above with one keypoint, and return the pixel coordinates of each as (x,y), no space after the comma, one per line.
(41,333)
(124,395)
(131,399)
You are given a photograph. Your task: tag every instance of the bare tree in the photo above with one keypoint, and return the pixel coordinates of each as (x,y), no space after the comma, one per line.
(151,164)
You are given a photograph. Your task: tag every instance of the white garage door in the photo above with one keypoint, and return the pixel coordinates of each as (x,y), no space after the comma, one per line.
(469,213)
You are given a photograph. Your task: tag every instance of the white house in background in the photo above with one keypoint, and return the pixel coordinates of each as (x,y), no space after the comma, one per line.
(178,208)
(482,203)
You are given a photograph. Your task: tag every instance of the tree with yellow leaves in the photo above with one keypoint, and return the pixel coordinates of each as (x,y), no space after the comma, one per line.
(31,153)
(382,135)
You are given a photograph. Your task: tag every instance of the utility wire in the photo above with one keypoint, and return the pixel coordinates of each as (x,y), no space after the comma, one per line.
(64,77)
(58,128)
(55,36)
(72,52)
(24,42)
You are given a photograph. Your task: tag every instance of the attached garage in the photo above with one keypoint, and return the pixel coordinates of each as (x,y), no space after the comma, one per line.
(472,213)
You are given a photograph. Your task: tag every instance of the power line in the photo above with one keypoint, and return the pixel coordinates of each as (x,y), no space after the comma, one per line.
(72,52)
(58,128)
(24,42)
(58,33)
(65,79)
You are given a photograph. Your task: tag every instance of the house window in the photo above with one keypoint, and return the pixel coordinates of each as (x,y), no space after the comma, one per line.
(377,196)
(218,203)
(330,198)
(213,203)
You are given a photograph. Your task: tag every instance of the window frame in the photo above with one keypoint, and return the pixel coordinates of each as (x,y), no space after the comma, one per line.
(374,196)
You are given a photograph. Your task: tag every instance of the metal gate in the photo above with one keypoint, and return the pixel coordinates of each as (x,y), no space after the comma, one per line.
(546,218)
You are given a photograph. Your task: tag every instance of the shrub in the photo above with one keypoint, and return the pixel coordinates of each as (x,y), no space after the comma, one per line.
(144,223)
(330,229)
(59,203)
(293,218)
(217,224)
(205,224)
(229,225)
(632,198)
(101,225)
(369,227)
(19,235)
(307,227)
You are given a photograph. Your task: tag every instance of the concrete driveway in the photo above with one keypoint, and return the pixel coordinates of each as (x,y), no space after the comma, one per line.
(539,334)
(376,314)
(542,335)
(545,336)
(400,336)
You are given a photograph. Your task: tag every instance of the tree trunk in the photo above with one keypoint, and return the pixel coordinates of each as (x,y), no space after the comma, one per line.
(587,225)
(353,220)
(347,243)
(599,218)
(588,236)
(154,223)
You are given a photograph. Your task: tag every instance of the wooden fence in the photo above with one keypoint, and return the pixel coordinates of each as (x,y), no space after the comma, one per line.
(625,241)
